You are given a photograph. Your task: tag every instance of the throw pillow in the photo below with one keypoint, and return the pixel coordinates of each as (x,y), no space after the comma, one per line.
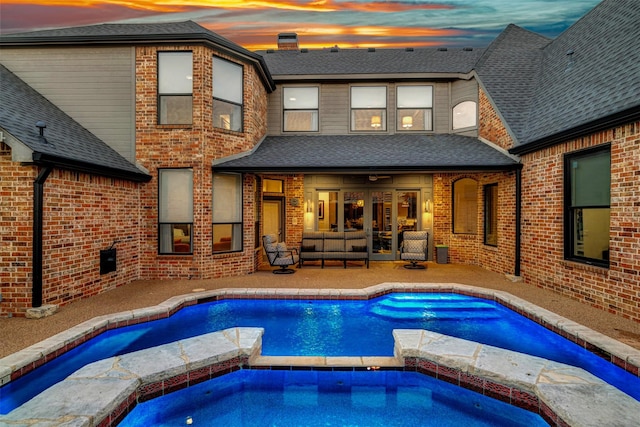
(281,248)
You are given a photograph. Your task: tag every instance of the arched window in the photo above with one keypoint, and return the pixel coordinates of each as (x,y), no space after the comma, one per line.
(464,115)
(465,206)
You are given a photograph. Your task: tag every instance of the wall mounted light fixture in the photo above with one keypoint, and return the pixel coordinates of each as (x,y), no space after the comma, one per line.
(428,206)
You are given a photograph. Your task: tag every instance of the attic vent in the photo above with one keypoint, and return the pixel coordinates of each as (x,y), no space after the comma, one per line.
(371,49)
(442,49)
(304,50)
(41,125)
(570,59)
(409,49)
(467,49)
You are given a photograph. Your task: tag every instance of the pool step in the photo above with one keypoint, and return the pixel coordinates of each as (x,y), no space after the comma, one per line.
(429,297)
(432,315)
(435,305)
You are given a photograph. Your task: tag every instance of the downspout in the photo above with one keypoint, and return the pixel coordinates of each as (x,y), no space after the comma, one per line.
(516,269)
(38,205)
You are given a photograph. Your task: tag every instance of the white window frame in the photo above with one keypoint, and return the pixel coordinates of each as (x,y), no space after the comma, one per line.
(465,115)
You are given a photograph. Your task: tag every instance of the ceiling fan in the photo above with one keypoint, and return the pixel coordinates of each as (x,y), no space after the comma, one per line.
(376,177)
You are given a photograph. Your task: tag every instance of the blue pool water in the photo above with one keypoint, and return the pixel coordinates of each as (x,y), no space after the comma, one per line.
(330,328)
(311,398)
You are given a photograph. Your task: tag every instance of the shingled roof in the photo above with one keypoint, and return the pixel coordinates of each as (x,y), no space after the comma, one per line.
(65,143)
(369,154)
(335,61)
(165,32)
(586,79)
(508,71)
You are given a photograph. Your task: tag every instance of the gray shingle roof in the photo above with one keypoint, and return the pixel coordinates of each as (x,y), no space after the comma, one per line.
(66,142)
(362,61)
(184,32)
(543,92)
(600,78)
(509,70)
(370,153)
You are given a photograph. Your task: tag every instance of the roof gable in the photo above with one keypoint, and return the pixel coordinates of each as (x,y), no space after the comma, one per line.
(65,142)
(588,78)
(509,70)
(589,72)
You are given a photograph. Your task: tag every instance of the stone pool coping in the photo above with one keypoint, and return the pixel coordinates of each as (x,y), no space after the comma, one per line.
(22,362)
(104,392)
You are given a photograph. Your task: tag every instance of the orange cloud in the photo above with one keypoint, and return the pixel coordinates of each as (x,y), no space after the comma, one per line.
(182,5)
(262,35)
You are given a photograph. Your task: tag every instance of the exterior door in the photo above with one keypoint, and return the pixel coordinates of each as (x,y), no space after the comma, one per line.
(272,216)
(383,230)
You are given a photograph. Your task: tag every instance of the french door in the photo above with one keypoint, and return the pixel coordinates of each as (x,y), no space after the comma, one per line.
(383,214)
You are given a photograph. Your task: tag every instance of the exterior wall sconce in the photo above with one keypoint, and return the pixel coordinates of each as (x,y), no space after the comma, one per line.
(428,206)
(376,121)
(407,122)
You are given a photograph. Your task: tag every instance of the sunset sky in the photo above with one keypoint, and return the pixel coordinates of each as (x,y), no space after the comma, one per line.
(255,24)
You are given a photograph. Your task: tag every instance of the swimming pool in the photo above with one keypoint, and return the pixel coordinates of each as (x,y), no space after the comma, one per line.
(327,327)
(311,398)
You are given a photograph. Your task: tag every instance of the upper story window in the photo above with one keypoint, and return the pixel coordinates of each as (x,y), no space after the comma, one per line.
(175,88)
(465,115)
(227,94)
(300,109)
(587,189)
(368,108)
(465,206)
(414,108)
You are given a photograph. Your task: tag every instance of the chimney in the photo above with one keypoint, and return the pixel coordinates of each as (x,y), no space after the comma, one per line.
(287,41)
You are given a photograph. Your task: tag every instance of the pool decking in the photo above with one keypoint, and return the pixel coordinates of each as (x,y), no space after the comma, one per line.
(102,392)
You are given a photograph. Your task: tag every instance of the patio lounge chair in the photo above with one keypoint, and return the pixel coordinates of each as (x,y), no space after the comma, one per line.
(279,255)
(414,248)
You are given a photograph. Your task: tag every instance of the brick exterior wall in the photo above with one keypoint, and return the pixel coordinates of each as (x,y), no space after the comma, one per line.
(294,215)
(616,289)
(490,126)
(470,248)
(82,214)
(16,233)
(195,146)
